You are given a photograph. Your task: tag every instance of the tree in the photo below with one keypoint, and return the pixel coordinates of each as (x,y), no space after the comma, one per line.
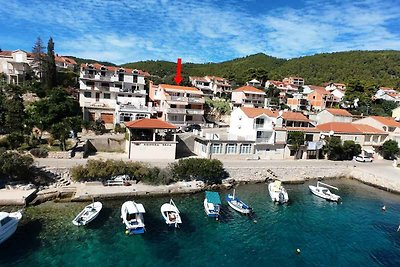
(350,149)
(38,58)
(390,149)
(296,140)
(60,131)
(333,148)
(15,166)
(14,110)
(50,70)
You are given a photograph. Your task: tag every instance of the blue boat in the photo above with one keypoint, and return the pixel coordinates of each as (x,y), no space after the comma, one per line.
(237,204)
(212,204)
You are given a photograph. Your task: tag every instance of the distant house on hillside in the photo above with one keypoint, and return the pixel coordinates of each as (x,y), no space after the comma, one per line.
(254,82)
(333,86)
(65,63)
(294,80)
(15,65)
(319,98)
(212,85)
(388,94)
(248,96)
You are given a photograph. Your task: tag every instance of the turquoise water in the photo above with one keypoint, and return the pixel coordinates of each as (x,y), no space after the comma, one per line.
(354,233)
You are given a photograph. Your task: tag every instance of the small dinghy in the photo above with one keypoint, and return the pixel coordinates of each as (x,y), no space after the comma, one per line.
(170,214)
(132,217)
(212,204)
(8,224)
(88,214)
(237,204)
(277,192)
(324,192)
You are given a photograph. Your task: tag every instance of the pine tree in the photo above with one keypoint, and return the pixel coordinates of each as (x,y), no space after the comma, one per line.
(38,58)
(51,71)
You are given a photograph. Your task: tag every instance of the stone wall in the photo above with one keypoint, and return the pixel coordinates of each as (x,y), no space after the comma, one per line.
(108,144)
(59,154)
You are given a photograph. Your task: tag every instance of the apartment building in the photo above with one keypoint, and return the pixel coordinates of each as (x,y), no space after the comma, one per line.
(15,65)
(319,98)
(387,124)
(112,94)
(179,105)
(294,80)
(65,63)
(248,96)
(212,85)
(333,115)
(297,102)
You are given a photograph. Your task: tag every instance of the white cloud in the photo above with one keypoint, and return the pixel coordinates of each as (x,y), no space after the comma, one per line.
(124,31)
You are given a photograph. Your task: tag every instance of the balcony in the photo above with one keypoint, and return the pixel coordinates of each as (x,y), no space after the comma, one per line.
(177,98)
(130,107)
(196,100)
(195,111)
(176,110)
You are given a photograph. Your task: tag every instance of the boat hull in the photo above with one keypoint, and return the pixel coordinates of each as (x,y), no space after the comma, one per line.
(238,205)
(88,214)
(9,229)
(134,225)
(210,213)
(316,191)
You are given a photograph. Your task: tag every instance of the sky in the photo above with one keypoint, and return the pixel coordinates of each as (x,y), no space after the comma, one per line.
(122,31)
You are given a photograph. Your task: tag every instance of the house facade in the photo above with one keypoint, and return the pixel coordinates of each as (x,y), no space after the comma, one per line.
(178,105)
(388,94)
(15,65)
(65,63)
(294,80)
(333,115)
(212,85)
(319,98)
(248,96)
(112,94)
(386,124)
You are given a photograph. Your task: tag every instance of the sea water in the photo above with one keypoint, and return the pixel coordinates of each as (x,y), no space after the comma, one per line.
(354,233)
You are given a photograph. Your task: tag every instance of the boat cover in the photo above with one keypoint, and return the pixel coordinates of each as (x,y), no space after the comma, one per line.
(213,197)
(133,207)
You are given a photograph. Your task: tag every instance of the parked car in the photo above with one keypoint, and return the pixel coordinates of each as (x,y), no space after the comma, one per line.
(192,127)
(361,158)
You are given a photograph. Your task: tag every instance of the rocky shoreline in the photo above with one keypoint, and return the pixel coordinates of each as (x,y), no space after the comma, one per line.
(66,190)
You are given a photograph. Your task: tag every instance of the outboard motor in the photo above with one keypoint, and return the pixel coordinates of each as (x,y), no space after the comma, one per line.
(281,197)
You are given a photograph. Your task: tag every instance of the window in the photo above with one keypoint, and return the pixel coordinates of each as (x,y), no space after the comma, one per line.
(367,138)
(259,122)
(292,152)
(87,94)
(140,116)
(189,118)
(216,148)
(89,83)
(5,221)
(245,149)
(107,96)
(231,149)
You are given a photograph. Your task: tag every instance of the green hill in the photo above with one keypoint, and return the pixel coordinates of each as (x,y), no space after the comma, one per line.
(370,67)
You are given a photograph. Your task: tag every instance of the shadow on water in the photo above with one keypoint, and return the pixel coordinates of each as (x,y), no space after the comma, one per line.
(28,235)
(385,257)
(101,219)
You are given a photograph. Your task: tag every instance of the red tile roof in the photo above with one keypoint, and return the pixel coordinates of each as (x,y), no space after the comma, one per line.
(348,127)
(177,87)
(149,124)
(298,129)
(255,112)
(319,90)
(248,88)
(294,116)
(64,59)
(339,112)
(8,53)
(388,121)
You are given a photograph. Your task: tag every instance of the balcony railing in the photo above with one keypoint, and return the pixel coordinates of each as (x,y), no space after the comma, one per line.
(195,111)
(177,98)
(176,110)
(196,100)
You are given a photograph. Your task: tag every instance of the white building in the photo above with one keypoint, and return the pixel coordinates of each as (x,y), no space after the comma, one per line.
(254,82)
(248,96)
(333,115)
(387,124)
(334,86)
(65,63)
(15,64)
(179,105)
(212,85)
(112,94)
(388,94)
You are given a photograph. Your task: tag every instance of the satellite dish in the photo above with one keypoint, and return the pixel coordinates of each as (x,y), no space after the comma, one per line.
(331,132)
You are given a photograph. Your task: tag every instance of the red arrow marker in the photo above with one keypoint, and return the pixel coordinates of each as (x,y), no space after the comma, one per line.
(178,77)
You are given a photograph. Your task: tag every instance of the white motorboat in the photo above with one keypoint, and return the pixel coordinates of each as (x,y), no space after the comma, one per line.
(212,204)
(171,214)
(277,192)
(8,224)
(235,203)
(324,192)
(132,217)
(88,214)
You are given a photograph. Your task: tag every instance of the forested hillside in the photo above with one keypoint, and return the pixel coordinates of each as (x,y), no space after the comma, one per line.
(380,68)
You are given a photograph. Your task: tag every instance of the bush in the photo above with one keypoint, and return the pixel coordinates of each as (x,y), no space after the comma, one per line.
(390,149)
(119,129)
(98,127)
(211,171)
(39,152)
(350,149)
(15,140)
(16,166)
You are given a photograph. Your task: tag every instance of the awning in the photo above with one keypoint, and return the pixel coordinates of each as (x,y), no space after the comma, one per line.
(369,150)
